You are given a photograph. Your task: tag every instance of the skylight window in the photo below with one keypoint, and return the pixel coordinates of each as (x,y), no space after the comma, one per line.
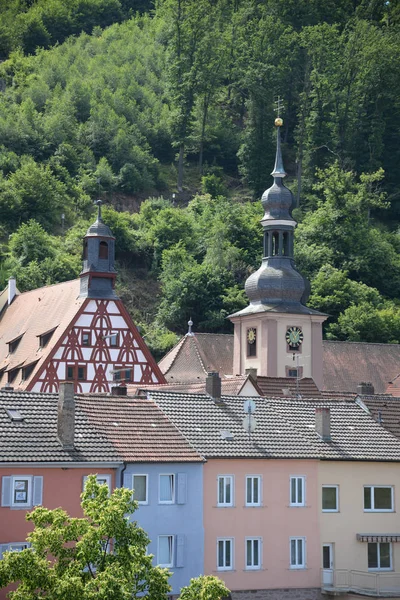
(14,414)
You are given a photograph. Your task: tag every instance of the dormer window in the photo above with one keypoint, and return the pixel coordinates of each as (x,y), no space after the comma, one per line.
(12,375)
(103,250)
(13,345)
(45,338)
(27,371)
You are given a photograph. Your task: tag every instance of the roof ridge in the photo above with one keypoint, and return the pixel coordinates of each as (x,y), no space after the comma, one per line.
(363,343)
(44,287)
(178,346)
(199,354)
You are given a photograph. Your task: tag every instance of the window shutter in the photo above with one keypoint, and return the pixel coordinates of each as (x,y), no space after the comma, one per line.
(181,499)
(180,550)
(37,490)
(6,491)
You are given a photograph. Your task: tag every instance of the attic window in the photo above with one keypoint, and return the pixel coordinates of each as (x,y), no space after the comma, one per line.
(45,338)
(13,345)
(12,375)
(27,371)
(14,414)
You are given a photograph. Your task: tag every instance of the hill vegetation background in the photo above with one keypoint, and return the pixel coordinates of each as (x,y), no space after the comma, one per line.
(166,112)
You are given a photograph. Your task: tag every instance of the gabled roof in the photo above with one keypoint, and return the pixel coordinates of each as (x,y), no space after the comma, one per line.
(285,428)
(393,387)
(230,386)
(385,410)
(138,429)
(34,439)
(195,355)
(346,364)
(32,314)
(108,429)
(275,386)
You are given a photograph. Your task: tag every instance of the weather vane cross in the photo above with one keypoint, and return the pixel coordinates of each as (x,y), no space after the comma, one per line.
(279,106)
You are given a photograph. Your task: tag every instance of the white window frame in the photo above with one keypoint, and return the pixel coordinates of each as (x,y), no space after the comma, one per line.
(147,487)
(225,541)
(297,565)
(225,479)
(18,546)
(172,501)
(172,538)
(253,567)
(330,510)
(297,478)
(252,503)
(373,509)
(379,568)
(99,477)
(28,503)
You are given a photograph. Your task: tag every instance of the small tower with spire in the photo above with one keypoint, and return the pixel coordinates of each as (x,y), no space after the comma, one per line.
(277,334)
(98,273)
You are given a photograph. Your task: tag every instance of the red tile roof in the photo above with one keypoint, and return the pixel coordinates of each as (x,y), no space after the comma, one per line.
(277,386)
(229,386)
(30,315)
(138,429)
(346,364)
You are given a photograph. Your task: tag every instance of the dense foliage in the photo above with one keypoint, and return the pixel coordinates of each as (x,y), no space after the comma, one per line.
(112,98)
(102,555)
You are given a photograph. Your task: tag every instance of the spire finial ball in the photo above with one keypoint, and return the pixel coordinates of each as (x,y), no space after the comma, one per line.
(278,122)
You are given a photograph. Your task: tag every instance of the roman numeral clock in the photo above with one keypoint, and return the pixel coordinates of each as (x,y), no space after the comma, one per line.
(294,337)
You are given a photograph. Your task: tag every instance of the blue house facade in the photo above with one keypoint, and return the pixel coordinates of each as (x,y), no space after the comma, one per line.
(170,497)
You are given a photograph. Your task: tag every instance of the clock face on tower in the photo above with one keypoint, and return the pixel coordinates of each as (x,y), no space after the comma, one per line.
(251,335)
(294,337)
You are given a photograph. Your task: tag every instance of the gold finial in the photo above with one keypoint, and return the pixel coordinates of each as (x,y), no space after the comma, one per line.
(279,107)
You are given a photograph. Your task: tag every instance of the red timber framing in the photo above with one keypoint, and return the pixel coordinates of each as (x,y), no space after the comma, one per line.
(115,344)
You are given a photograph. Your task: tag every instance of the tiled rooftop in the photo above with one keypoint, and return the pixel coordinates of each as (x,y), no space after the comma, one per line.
(277,386)
(32,314)
(108,429)
(346,364)
(138,429)
(230,386)
(35,438)
(285,428)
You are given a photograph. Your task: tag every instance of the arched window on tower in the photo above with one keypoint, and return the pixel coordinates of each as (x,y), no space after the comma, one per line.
(85,250)
(275,243)
(285,249)
(103,250)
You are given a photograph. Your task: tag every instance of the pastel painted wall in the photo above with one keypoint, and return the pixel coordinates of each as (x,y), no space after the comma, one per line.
(273,356)
(184,521)
(275,522)
(61,487)
(340,528)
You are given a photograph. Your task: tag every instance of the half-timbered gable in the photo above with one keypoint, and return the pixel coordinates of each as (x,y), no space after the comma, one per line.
(74,331)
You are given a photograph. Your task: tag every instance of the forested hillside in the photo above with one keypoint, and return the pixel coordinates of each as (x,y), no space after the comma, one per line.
(166,112)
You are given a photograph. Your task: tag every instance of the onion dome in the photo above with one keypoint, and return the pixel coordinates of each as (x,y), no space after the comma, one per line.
(277,286)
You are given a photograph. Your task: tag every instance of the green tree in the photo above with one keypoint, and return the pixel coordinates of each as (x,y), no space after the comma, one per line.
(205,587)
(102,555)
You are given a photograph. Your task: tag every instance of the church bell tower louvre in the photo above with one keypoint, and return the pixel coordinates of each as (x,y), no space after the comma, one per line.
(277,334)
(98,273)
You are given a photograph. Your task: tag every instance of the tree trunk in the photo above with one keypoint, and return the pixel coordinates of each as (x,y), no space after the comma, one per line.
(180,167)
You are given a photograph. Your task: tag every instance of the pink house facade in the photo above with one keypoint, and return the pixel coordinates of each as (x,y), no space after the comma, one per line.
(272,536)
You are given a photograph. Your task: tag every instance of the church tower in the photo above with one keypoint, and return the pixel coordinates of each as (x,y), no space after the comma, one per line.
(277,334)
(98,272)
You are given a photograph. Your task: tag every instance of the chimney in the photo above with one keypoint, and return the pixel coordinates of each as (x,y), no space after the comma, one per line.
(365,389)
(323,422)
(252,372)
(66,415)
(119,390)
(12,289)
(213,385)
